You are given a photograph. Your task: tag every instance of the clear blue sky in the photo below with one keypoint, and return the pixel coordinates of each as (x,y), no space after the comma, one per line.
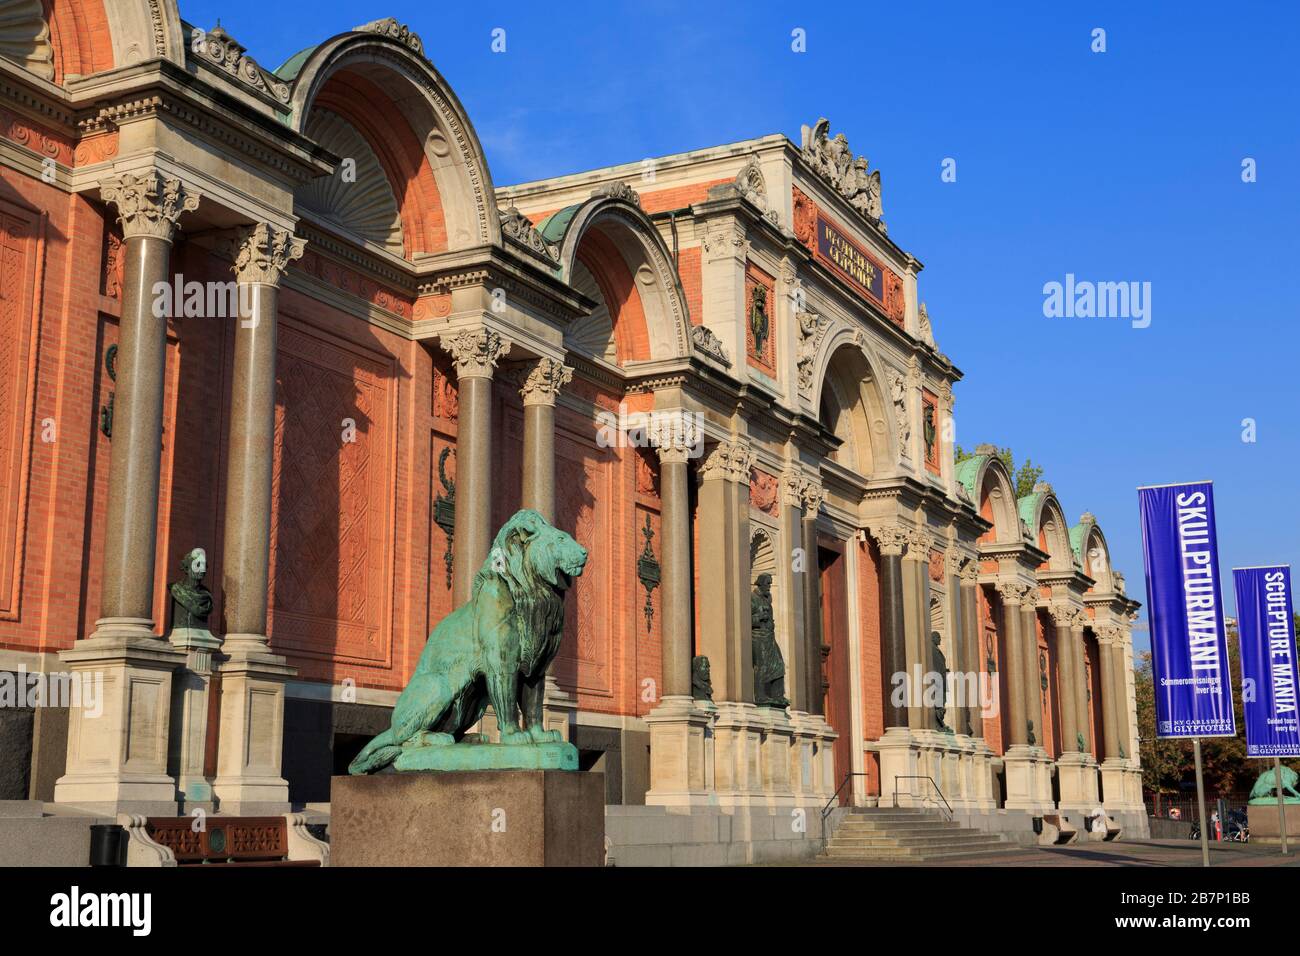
(1115,166)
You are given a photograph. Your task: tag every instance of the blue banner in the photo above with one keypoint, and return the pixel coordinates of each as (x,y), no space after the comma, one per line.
(1268,672)
(1189,652)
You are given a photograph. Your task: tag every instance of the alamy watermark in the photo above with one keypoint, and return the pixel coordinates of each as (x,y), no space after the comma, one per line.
(1084,299)
(85,690)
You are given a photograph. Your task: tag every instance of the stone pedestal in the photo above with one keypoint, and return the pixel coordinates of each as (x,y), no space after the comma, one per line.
(1115,786)
(1029,779)
(249,750)
(899,762)
(983,794)
(774,756)
(191,694)
(1265,826)
(1076,775)
(737,742)
(681,741)
(118,737)
(476,818)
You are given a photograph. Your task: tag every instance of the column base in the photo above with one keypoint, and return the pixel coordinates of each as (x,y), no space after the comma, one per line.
(251,741)
(899,753)
(118,728)
(738,737)
(822,783)
(1118,777)
(681,752)
(1029,779)
(774,756)
(1076,775)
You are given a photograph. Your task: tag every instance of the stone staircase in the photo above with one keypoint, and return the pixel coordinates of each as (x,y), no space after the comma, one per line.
(908,835)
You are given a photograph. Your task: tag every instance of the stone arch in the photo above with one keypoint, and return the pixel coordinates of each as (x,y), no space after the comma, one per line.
(413,122)
(988,481)
(851,404)
(1045,519)
(609,246)
(1092,552)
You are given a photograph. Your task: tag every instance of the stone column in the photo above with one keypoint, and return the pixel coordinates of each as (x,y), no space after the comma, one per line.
(1118,697)
(1030,680)
(251,731)
(891,539)
(676,596)
(792,580)
(540,389)
(149,207)
(1110,731)
(957,717)
(724,561)
(261,253)
(916,583)
(1081,680)
(680,752)
(117,756)
(1065,673)
(813,496)
(1011,594)
(970,610)
(476,353)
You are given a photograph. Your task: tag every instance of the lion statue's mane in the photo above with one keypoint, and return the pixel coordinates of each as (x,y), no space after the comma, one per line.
(495,648)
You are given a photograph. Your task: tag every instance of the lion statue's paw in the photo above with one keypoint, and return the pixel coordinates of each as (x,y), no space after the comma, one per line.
(428,738)
(540,736)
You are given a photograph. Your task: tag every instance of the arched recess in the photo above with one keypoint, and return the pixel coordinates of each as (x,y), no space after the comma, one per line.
(1092,553)
(762,560)
(413,122)
(54,39)
(988,482)
(852,406)
(610,250)
(1043,515)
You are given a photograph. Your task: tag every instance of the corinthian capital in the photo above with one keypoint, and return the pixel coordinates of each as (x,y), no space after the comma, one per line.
(919,543)
(890,538)
(475,351)
(544,381)
(148,204)
(675,435)
(1013,592)
(262,252)
(731,460)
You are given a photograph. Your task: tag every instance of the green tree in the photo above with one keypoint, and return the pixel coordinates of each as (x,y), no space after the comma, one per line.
(1024,479)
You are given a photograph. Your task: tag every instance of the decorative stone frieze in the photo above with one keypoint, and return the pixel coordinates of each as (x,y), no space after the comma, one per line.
(704,340)
(543,383)
(400,32)
(618,190)
(262,252)
(219,48)
(475,351)
(519,228)
(150,204)
(833,161)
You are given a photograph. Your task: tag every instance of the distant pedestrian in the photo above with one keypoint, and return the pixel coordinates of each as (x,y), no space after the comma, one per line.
(1175,813)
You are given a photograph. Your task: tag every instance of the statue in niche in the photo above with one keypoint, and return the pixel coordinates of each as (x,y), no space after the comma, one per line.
(769,665)
(701,678)
(939,665)
(191,601)
(759,324)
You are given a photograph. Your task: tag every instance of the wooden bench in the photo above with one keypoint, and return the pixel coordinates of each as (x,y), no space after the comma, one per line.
(222,841)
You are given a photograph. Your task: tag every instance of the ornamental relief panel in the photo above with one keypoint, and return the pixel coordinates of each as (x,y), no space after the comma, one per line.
(332,480)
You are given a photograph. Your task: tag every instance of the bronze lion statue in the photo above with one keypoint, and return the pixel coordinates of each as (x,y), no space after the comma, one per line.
(493,649)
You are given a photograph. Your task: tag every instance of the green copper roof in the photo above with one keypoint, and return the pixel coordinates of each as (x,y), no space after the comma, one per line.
(554,226)
(1028,506)
(968,472)
(1076,539)
(289,68)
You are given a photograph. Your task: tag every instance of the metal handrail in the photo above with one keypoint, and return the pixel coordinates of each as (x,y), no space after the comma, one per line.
(898,777)
(830,804)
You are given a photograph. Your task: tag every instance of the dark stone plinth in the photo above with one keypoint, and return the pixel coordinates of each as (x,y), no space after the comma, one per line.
(1264,823)
(472,818)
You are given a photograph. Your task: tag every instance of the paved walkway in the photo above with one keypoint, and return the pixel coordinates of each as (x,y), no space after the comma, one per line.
(1148,853)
